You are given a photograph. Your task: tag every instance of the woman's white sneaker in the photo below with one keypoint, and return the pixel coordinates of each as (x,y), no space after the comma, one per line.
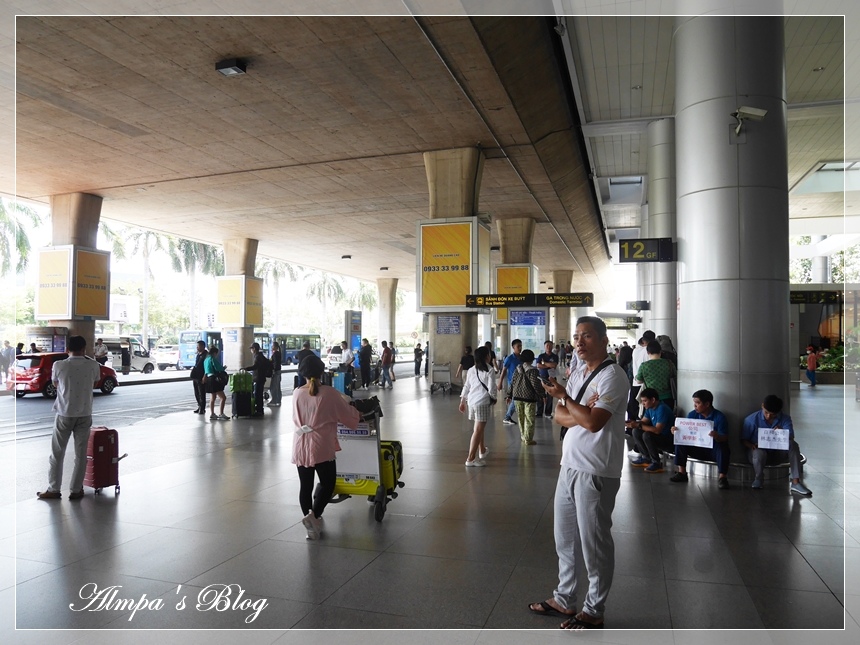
(476,462)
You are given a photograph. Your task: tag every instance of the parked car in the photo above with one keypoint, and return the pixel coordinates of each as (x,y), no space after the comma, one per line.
(166,356)
(333,357)
(31,373)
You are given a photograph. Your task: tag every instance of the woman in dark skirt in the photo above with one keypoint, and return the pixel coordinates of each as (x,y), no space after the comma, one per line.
(215,380)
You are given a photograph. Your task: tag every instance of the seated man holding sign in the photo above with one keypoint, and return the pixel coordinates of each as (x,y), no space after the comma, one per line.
(769,436)
(703,435)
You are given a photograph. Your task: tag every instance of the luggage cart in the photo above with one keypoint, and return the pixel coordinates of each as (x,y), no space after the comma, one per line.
(367,466)
(440,378)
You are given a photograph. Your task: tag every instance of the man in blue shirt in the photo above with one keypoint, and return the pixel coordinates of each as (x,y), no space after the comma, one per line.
(653,432)
(547,364)
(772,416)
(703,408)
(511,363)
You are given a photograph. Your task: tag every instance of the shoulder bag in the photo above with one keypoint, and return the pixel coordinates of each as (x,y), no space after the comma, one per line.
(585,385)
(492,398)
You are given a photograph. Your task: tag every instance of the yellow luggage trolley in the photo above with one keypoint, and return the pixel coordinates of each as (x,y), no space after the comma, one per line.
(368,466)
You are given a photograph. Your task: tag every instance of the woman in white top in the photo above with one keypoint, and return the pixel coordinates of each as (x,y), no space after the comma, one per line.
(479,394)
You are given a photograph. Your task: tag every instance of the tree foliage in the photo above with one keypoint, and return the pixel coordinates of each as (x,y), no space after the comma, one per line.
(15,218)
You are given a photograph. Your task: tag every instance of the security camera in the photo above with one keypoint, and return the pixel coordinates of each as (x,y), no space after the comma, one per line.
(746,113)
(751,113)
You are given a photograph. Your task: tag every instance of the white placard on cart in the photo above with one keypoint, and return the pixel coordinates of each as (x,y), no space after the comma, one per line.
(694,432)
(358,457)
(773,438)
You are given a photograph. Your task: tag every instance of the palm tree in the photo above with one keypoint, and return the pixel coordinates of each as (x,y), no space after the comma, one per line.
(146,243)
(190,257)
(114,238)
(364,297)
(274,270)
(325,287)
(14,241)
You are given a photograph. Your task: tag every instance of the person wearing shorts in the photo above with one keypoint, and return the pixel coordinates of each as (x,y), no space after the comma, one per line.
(479,395)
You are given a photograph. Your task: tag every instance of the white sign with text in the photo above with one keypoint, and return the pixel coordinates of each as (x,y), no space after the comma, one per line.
(694,432)
(773,438)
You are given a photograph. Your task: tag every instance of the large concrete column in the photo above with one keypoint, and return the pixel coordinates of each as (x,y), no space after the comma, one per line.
(561,281)
(75,220)
(387,288)
(732,213)
(820,264)
(454,181)
(240,256)
(515,247)
(643,274)
(661,223)
(454,185)
(515,239)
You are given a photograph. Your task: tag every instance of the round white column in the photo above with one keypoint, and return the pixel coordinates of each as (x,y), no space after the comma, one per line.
(661,223)
(732,221)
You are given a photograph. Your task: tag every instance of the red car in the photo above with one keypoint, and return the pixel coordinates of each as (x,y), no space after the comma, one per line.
(31,373)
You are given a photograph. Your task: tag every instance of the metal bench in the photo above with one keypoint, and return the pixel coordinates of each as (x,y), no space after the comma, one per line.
(739,472)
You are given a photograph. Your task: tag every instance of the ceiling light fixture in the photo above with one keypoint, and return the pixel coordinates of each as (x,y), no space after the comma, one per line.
(818,69)
(636,87)
(495,248)
(231,66)
(345,257)
(383,268)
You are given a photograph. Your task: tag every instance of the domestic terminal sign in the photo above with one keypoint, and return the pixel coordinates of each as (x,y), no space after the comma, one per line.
(639,305)
(814,297)
(488,300)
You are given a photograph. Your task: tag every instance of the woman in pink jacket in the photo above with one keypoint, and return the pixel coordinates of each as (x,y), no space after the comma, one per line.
(317,409)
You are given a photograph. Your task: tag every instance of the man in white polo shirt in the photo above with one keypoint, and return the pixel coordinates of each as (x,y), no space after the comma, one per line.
(592,407)
(74,378)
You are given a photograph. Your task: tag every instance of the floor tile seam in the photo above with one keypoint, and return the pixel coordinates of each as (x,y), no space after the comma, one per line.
(148,535)
(376,556)
(823,581)
(766,588)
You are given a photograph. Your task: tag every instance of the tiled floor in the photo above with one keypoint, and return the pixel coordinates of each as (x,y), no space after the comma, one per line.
(459,549)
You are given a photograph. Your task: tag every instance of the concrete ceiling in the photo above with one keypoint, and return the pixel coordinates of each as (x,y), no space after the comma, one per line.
(317,150)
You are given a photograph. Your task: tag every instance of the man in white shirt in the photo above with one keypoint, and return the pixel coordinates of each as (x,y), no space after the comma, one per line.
(100,351)
(74,378)
(592,455)
(640,355)
(347,358)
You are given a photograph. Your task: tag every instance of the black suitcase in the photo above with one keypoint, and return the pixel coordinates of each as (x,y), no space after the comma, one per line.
(243,404)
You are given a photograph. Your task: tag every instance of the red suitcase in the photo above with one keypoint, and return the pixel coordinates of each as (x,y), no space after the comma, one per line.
(103,460)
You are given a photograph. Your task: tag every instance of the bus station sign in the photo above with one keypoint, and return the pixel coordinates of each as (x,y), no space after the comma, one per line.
(489,300)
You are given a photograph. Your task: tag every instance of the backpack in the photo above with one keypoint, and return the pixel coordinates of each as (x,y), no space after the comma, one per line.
(268,368)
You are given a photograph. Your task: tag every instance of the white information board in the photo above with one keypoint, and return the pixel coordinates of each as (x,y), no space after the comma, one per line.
(359,453)
(773,438)
(694,432)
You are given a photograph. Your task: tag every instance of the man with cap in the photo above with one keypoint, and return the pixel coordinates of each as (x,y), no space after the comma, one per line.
(259,370)
(300,356)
